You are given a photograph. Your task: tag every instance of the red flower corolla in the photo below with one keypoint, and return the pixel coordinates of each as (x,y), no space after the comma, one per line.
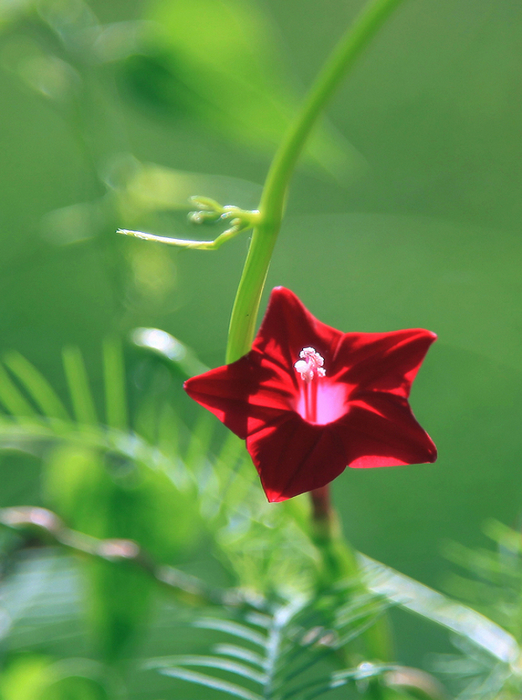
(310,400)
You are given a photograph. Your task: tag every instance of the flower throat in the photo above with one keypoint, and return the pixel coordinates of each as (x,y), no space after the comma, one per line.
(311,369)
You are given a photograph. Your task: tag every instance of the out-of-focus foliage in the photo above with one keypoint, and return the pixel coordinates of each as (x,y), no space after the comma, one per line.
(217,61)
(280,650)
(140,502)
(113,114)
(491,582)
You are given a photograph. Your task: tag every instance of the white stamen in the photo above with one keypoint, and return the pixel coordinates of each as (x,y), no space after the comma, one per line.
(310,364)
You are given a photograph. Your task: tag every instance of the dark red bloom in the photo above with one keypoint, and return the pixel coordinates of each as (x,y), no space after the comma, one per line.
(310,400)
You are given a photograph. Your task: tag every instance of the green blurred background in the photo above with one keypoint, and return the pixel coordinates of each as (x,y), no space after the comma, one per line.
(406,214)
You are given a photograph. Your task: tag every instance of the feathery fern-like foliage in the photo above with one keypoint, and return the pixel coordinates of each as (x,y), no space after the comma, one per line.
(491,580)
(291,649)
(290,636)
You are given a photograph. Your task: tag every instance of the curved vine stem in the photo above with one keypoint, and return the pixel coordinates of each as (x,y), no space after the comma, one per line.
(343,57)
(32,522)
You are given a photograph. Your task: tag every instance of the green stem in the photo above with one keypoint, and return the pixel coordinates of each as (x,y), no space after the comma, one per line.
(40,524)
(343,57)
(339,562)
(338,559)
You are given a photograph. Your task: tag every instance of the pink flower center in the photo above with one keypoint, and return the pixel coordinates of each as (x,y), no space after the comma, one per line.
(310,365)
(320,401)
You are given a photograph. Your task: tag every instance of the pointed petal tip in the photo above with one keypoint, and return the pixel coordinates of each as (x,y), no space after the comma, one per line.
(280,291)
(275,498)
(284,292)
(430,456)
(431,451)
(429,335)
(273,495)
(424,332)
(187,384)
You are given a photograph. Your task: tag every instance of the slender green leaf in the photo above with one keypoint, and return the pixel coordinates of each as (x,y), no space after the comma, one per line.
(210,682)
(25,434)
(233,628)
(115,393)
(320,686)
(322,690)
(209,662)
(337,679)
(356,631)
(424,601)
(81,397)
(30,431)
(178,355)
(306,628)
(240,653)
(503,535)
(12,398)
(37,386)
(369,612)
(480,562)
(261,620)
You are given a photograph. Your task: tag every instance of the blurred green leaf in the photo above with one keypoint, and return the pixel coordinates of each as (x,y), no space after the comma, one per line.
(11,11)
(289,641)
(42,678)
(217,60)
(110,496)
(115,486)
(231,689)
(210,662)
(120,597)
(148,188)
(115,391)
(12,398)
(25,678)
(75,688)
(81,397)
(36,385)
(434,606)
(78,482)
(174,352)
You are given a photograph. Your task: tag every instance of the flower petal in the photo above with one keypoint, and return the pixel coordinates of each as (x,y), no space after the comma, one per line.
(382,361)
(243,395)
(288,327)
(380,430)
(293,456)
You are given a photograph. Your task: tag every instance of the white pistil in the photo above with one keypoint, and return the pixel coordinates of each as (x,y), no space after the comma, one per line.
(310,365)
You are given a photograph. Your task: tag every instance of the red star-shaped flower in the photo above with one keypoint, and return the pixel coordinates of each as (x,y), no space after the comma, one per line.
(310,400)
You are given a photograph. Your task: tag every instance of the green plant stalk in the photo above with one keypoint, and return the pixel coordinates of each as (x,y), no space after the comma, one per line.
(338,558)
(248,297)
(339,563)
